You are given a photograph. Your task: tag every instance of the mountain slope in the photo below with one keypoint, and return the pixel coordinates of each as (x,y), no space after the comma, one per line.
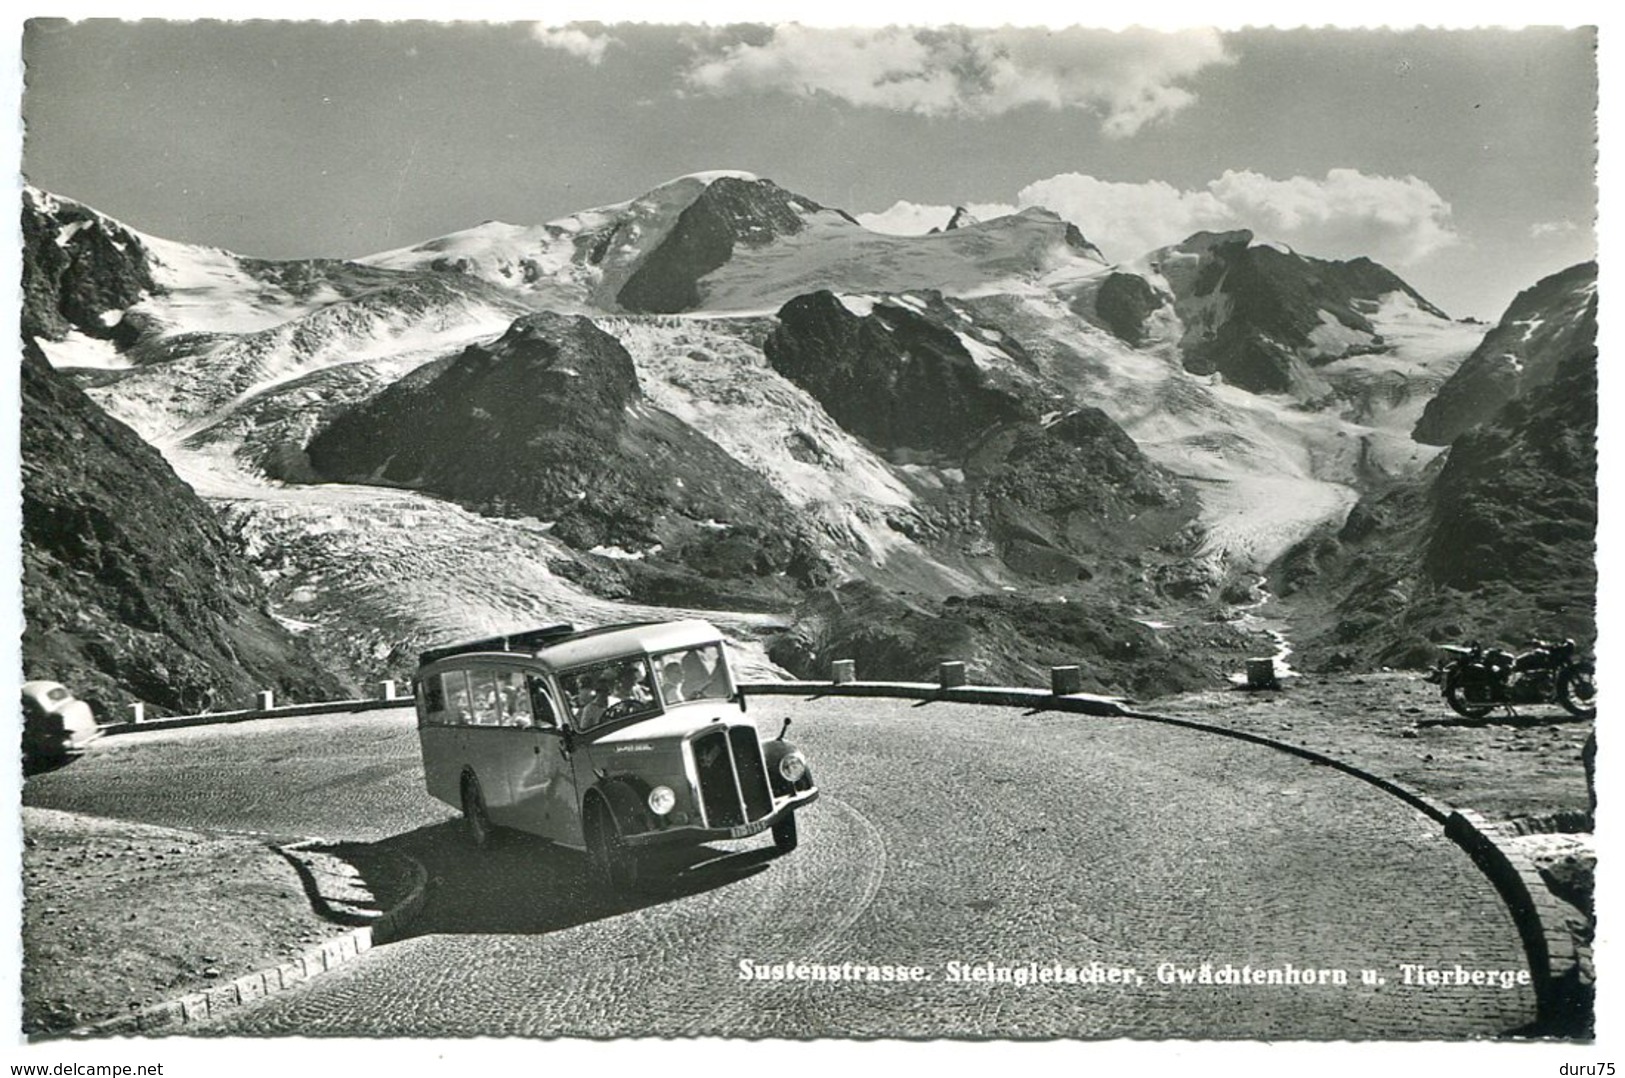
(550,421)
(1261,316)
(1495,543)
(1051,487)
(729,213)
(1538,330)
(130,584)
(793,400)
(734,242)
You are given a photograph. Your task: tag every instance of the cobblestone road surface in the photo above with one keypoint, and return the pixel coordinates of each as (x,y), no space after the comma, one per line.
(947,833)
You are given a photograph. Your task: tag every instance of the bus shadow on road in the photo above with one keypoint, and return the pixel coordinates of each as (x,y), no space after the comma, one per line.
(522,884)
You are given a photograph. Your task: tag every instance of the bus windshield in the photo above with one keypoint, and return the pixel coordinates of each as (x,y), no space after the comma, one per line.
(608,692)
(697,673)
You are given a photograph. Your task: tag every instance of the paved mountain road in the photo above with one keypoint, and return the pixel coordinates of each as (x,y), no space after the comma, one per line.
(947,834)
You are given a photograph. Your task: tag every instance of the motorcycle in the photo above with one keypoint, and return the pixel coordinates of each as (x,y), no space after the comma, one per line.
(1475,679)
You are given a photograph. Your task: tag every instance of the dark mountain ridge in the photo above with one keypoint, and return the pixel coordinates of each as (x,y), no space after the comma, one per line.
(1262,317)
(131,587)
(1055,489)
(550,421)
(730,211)
(1541,327)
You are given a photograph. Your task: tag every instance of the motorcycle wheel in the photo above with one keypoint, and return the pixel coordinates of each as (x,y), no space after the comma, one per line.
(1577,690)
(1457,700)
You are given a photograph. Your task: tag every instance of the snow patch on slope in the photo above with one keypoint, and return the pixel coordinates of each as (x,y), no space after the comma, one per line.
(76,350)
(206,289)
(707,374)
(1267,471)
(1012,254)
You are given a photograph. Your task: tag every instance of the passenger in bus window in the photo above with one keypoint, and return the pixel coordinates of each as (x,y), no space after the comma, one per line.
(671,682)
(457,697)
(485,697)
(702,674)
(631,692)
(592,712)
(515,700)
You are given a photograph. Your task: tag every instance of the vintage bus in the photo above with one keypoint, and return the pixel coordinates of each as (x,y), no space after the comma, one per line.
(608,740)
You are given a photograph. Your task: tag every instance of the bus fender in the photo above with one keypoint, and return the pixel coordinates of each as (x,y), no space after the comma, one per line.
(624,804)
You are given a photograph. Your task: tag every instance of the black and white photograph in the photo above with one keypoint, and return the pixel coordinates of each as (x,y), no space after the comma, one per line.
(848,526)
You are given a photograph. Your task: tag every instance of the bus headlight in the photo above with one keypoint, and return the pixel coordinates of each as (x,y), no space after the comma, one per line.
(662,800)
(792,767)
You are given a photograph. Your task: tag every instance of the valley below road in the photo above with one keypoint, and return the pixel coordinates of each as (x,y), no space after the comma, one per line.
(948,837)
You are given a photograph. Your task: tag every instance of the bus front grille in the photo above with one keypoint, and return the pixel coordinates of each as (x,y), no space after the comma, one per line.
(732,778)
(751,771)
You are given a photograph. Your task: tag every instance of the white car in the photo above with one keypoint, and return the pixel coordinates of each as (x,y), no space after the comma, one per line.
(57,725)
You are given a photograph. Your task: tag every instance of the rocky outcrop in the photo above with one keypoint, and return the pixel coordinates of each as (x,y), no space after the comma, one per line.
(549,421)
(730,212)
(131,588)
(1516,502)
(1124,303)
(899,375)
(1264,318)
(1522,352)
(80,271)
(1052,491)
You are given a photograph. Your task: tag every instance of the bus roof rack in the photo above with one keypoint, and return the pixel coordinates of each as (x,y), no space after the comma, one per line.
(527,641)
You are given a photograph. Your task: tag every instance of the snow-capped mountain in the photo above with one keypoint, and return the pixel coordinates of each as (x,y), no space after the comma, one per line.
(732,242)
(991,406)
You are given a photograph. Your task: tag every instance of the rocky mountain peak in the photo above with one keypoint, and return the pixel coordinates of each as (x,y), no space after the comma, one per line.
(960,219)
(81,270)
(1261,315)
(897,371)
(730,212)
(550,421)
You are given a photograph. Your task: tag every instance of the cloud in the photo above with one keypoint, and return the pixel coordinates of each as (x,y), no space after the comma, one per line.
(1345,214)
(1129,79)
(578,43)
(1541,229)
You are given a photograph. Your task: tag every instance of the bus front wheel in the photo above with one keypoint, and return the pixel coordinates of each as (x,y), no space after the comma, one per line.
(613,864)
(784,833)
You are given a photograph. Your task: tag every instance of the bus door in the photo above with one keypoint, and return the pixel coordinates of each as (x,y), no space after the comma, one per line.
(445,711)
(489,744)
(544,784)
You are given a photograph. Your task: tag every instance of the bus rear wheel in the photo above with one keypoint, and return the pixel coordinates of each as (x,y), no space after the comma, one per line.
(476,821)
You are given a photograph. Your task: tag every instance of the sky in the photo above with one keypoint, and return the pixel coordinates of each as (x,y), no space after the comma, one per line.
(1462,159)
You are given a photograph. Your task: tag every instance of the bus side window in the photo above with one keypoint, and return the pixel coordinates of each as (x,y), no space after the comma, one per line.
(484,685)
(541,703)
(456,693)
(516,710)
(434,697)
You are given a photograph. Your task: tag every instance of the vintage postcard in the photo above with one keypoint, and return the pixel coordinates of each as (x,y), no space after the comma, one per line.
(707,530)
